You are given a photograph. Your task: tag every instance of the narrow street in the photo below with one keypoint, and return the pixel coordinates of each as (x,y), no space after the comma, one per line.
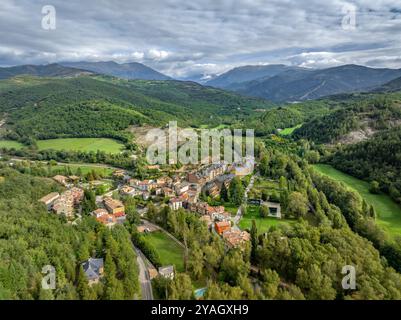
(238,216)
(144,279)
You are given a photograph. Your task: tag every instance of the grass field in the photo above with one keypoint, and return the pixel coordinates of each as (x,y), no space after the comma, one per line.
(263,224)
(231,208)
(288,131)
(9,144)
(388,212)
(261,185)
(105,172)
(82,144)
(219,127)
(170,252)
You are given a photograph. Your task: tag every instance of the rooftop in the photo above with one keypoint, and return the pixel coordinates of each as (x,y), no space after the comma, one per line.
(49,197)
(92,267)
(167,270)
(113,203)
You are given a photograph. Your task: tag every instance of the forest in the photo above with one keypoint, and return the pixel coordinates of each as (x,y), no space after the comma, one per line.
(31,238)
(334,228)
(42,108)
(122,160)
(375,160)
(376,113)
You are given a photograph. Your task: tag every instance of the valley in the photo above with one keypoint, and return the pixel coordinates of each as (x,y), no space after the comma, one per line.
(73,165)
(212,158)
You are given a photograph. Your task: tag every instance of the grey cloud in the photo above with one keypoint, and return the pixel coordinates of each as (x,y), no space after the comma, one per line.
(182,38)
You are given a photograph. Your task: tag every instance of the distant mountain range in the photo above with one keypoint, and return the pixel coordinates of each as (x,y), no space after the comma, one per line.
(280,83)
(133,70)
(277,83)
(199,78)
(49,70)
(130,71)
(236,77)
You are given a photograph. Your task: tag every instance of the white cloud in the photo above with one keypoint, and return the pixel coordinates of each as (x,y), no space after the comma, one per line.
(206,37)
(137,55)
(158,55)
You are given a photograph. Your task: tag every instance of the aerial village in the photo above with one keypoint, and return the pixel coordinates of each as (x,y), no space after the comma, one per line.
(181,190)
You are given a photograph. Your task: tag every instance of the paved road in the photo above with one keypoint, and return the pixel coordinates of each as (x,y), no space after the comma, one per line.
(144,279)
(238,216)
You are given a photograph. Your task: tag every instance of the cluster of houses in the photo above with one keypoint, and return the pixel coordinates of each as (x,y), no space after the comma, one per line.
(232,236)
(163,186)
(210,213)
(109,213)
(112,212)
(211,180)
(67,202)
(184,191)
(187,192)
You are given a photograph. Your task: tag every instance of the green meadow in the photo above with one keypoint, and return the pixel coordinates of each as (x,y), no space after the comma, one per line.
(10,144)
(104,171)
(262,224)
(288,131)
(170,252)
(231,208)
(82,144)
(388,212)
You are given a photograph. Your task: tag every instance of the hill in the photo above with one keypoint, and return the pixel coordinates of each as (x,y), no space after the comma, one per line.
(377,159)
(49,70)
(393,85)
(45,108)
(288,116)
(353,122)
(133,70)
(237,76)
(296,84)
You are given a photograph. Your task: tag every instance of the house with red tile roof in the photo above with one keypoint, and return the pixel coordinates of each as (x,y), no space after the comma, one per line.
(235,238)
(222,226)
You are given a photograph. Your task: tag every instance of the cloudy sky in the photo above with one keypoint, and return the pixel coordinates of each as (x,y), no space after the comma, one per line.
(182,38)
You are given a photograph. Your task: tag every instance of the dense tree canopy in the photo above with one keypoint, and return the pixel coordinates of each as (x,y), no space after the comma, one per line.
(32,238)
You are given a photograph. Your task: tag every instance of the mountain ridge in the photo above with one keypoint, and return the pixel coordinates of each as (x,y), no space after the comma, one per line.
(46,70)
(298,84)
(129,71)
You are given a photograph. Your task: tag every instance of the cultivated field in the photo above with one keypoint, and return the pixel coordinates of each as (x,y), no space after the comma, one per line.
(82,144)
(388,212)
